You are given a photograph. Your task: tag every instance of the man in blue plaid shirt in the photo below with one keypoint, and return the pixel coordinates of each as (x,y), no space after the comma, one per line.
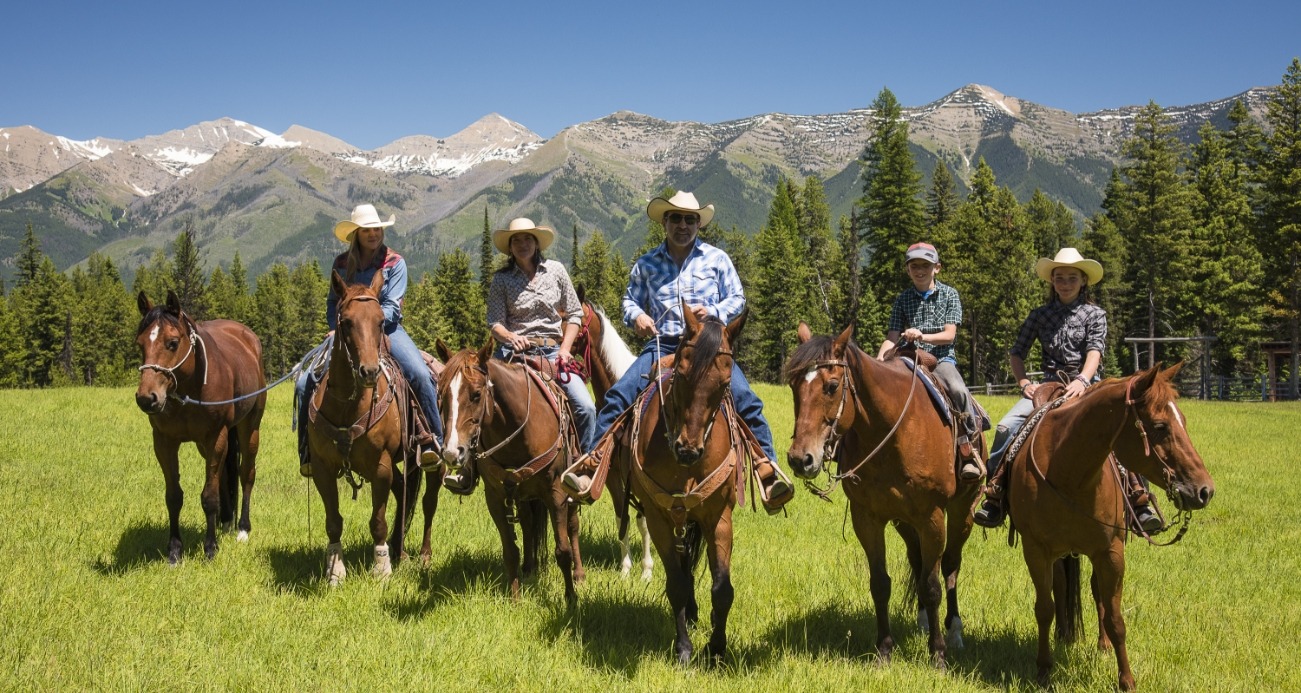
(927,314)
(683,269)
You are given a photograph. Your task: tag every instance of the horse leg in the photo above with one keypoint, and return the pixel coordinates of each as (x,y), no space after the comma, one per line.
(429,506)
(561,524)
(957,531)
(214,453)
(1041,574)
(871,534)
(530,520)
(647,560)
(718,542)
(327,486)
(619,497)
(249,442)
(165,449)
(927,577)
(913,550)
(380,487)
(572,512)
(677,582)
(509,551)
(227,484)
(401,489)
(1109,572)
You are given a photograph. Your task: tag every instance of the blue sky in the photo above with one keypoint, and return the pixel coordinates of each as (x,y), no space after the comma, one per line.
(370,72)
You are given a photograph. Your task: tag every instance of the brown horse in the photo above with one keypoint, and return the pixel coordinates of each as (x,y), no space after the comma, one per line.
(186,365)
(686,459)
(607,358)
(1066,499)
(897,462)
(507,422)
(355,427)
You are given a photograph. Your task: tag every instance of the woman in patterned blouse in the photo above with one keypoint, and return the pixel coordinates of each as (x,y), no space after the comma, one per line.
(533,308)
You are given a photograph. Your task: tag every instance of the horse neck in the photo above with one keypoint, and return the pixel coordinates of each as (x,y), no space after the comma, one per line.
(515,399)
(345,388)
(878,387)
(1083,433)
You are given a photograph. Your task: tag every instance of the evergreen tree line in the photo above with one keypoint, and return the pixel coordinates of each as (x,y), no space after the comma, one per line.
(1195,241)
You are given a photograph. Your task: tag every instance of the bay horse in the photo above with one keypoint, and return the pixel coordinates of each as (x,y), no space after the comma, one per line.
(356,428)
(506,421)
(687,457)
(897,460)
(209,361)
(1067,501)
(607,358)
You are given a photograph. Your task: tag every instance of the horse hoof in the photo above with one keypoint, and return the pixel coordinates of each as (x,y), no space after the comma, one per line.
(923,623)
(954,636)
(228,527)
(242,536)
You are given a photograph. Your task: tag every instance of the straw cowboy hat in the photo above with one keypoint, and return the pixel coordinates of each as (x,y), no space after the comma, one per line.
(363,216)
(681,202)
(501,237)
(1069,257)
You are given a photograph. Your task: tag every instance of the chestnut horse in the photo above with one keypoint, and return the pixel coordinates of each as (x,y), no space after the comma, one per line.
(686,460)
(897,461)
(355,427)
(507,423)
(186,365)
(607,358)
(1066,499)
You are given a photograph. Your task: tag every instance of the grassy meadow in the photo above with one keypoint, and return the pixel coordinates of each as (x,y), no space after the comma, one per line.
(87,600)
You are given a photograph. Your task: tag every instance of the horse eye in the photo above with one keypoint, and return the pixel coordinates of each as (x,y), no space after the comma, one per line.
(1160,427)
(831,387)
(172,344)
(476,396)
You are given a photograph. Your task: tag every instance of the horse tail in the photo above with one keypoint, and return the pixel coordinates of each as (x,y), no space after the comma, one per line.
(228,494)
(1070,615)
(692,541)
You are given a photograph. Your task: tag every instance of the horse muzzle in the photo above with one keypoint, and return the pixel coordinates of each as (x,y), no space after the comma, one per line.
(804,465)
(1189,496)
(151,402)
(685,453)
(456,457)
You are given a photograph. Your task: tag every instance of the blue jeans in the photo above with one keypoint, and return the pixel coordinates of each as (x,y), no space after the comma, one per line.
(580,400)
(413,367)
(622,394)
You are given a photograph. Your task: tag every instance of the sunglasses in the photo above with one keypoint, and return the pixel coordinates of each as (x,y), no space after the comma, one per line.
(676,218)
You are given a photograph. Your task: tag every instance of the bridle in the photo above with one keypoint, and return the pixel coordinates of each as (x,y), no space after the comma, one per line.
(666,397)
(170,371)
(343,345)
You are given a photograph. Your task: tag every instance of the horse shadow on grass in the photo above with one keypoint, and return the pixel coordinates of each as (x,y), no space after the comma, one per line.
(461,573)
(613,630)
(300,569)
(143,544)
(603,551)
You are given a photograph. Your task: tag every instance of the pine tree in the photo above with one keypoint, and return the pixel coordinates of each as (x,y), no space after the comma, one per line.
(308,291)
(573,249)
(1102,242)
(12,351)
(1051,225)
(187,275)
(42,305)
(1280,175)
(486,257)
(780,299)
(222,295)
(103,325)
(850,275)
(275,319)
(890,210)
(594,275)
(941,200)
(156,278)
(464,312)
(421,313)
(29,257)
(822,254)
(244,302)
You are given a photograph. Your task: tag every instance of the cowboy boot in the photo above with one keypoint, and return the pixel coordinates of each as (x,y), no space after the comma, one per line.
(774,491)
(970,470)
(992,511)
(1145,516)
(463,482)
(304,462)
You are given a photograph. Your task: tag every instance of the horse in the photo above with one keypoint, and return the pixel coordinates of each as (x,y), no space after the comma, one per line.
(356,428)
(607,358)
(897,462)
(687,460)
(188,364)
(503,418)
(1065,499)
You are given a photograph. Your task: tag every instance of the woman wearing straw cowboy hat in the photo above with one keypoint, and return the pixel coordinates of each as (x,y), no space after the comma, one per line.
(682,269)
(366,255)
(1072,331)
(533,308)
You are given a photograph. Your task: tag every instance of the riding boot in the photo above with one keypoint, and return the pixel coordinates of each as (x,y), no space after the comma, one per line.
(992,510)
(578,478)
(304,462)
(1145,516)
(774,491)
(462,482)
(970,469)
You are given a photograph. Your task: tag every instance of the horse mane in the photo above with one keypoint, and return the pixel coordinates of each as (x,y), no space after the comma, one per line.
(817,348)
(158,312)
(617,355)
(462,360)
(708,343)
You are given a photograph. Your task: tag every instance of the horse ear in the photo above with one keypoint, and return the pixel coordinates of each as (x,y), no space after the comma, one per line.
(804,333)
(173,303)
(1171,372)
(444,354)
(691,322)
(337,285)
(842,341)
(582,293)
(1144,379)
(377,282)
(734,327)
(485,353)
(142,302)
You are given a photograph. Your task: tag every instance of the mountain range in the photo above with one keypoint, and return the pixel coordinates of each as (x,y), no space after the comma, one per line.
(274,197)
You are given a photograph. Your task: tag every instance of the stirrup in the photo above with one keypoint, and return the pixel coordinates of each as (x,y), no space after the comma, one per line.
(990,515)
(305,470)
(777,495)
(578,487)
(430,459)
(1147,519)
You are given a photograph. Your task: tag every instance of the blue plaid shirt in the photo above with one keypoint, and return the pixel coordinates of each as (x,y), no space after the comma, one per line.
(658,287)
(1067,334)
(929,312)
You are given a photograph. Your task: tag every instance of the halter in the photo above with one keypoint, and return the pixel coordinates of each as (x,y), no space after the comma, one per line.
(171,371)
(347,352)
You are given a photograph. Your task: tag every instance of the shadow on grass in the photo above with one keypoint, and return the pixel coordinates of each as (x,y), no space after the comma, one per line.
(615,632)
(301,569)
(143,544)
(461,573)
(603,552)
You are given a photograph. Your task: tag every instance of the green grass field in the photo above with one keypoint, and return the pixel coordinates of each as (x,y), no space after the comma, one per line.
(87,600)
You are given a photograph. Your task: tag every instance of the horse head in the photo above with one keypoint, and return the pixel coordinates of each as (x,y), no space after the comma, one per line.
(702,375)
(361,325)
(461,401)
(1158,445)
(822,385)
(166,337)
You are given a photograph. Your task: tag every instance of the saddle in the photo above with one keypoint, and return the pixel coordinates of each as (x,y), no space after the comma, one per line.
(925,363)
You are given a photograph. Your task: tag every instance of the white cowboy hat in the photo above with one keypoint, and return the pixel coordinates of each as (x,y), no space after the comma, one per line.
(1069,257)
(681,202)
(363,216)
(501,237)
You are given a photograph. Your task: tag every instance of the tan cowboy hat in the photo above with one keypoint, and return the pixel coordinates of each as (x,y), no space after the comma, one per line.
(501,237)
(363,216)
(681,202)
(1069,257)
